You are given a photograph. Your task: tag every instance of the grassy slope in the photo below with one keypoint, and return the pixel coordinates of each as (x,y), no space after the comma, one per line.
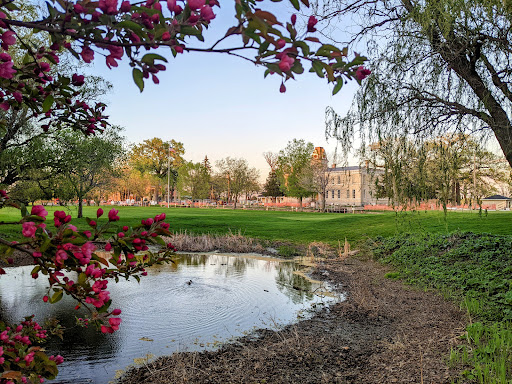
(299,227)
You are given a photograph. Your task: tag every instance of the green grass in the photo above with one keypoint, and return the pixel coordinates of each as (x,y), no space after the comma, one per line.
(297,227)
(476,271)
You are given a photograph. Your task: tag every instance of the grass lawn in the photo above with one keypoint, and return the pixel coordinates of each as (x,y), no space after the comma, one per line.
(296,227)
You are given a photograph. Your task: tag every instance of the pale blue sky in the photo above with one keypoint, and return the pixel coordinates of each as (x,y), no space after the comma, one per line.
(222,106)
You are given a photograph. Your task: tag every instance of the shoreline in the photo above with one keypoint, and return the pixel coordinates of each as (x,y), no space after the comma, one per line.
(384,332)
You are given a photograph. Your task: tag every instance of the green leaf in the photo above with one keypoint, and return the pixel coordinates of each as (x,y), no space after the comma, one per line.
(138,78)
(303,46)
(263,47)
(150,58)
(35,269)
(252,35)
(187,30)
(47,103)
(46,244)
(23,210)
(130,25)
(56,296)
(318,67)
(295,4)
(81,278)
(338,86)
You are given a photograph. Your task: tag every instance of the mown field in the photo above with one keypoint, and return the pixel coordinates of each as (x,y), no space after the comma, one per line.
(296,227)
(467,256)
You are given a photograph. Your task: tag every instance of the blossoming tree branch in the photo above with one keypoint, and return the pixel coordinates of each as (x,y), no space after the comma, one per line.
(134,32)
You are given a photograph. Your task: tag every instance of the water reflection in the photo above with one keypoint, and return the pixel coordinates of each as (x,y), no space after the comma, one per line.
(193,303)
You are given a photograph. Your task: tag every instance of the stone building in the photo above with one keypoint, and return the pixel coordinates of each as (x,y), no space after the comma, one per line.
(352,186)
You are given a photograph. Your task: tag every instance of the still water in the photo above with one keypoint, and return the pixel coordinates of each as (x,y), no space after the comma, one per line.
(196,303)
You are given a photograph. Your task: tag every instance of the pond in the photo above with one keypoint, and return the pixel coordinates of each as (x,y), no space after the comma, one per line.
(199,302)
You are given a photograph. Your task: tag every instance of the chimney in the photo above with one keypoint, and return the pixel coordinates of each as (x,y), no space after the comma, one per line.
(334,165)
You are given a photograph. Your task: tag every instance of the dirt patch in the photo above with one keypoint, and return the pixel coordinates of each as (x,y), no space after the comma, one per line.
(385,332)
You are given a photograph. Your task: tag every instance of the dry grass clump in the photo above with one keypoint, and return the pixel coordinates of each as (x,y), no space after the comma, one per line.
(231,242)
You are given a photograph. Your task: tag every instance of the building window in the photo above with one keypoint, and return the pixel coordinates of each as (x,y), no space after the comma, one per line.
(353,193)
(339,194)
(333,193)
(348,194)
(339,180)
(364,192)
(332,181)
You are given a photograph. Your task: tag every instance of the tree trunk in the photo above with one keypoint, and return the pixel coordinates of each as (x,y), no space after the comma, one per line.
(80,208)
(300,203)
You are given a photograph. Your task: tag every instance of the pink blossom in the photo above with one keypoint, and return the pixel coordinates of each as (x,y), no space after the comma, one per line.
(194,18)
(6,71)
(60,256)
(195,4)
(112,215)
(72,227)
(4,56)
(99,212)
(29,357)
(171,4)
(38,210)
(77,79)
(286,63)
(114,323)
(207,13)
(362,73)
(79,8)
(160,217)
(5,105)
(106,329)
(9,38)
(164,225)
(87,234)
(293,19)
(280,43)
(88,248)
(115,312)
(87,54)
(37,254)
(59,214)
(45,67)
(29,229)
(282,88)
(166,36)
(178,48)
(17,96)
(311,23)
(108,7)
(108,247)
(125,6)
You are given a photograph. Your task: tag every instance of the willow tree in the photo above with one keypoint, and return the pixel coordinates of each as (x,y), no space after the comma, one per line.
(438,66)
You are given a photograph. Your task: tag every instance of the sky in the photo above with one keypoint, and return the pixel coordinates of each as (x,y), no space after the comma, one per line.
(221,106)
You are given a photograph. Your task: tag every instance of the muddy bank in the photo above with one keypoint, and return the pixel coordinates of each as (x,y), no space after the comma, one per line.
(385,332)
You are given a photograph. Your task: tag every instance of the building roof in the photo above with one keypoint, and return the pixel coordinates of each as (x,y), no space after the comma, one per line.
(351,168)
(497,197)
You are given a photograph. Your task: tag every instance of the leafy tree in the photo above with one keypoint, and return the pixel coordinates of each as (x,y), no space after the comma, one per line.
(156,157)
(272,187)
(321,176)
(443,66)
(81,163)
(239,177)
(448,168)
(294,169)
(194,180)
